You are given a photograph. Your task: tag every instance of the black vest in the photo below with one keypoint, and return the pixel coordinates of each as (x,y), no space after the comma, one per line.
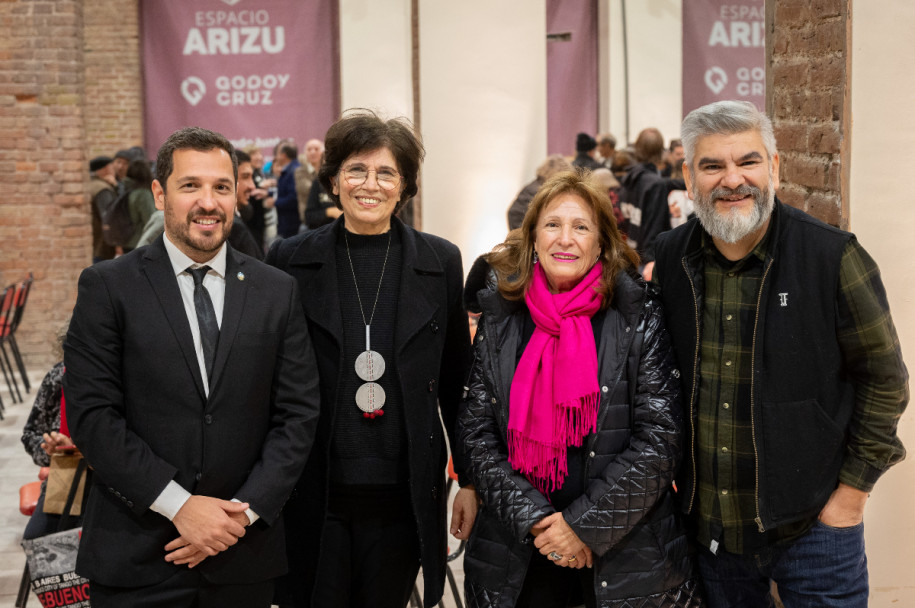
(802,395)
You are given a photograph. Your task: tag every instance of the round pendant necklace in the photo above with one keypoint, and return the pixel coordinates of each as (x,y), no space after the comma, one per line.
(369,364)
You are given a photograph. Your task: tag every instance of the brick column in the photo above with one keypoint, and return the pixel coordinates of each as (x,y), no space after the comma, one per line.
(114,82)
(44,225)
(808,50)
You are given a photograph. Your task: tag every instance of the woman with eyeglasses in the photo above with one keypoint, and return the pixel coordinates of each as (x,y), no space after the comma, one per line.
(383,303)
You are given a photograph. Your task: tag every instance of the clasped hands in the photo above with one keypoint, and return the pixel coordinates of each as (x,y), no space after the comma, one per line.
(553,535)
(207,526)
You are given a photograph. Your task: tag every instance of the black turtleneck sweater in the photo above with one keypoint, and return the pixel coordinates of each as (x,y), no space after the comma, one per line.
(368,451)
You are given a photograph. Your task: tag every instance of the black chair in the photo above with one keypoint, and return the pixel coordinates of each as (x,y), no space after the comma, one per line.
(6,317)
(9,332)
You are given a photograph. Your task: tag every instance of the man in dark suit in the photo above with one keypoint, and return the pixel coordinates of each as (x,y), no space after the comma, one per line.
(192,391)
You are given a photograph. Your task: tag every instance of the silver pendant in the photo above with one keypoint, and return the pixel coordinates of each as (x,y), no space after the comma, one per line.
(369,366)
(370,398)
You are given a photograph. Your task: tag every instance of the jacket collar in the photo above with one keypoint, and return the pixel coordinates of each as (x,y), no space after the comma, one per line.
(315,260)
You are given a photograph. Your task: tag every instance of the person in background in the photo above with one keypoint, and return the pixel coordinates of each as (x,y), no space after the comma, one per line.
(792,374)
(286,201)
(240,236)
(585,152)
(571,423)
(102,192)
(141,203)
(643,197)
(553,164)
(383,303)
(675,156)
(43,435)
(321,209)
(122,159)
(605,178)
(606,148)
(306,175)
(259,202)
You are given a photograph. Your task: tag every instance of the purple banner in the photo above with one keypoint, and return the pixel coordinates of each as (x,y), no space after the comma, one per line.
(571,71)
(254,70)
(724,52)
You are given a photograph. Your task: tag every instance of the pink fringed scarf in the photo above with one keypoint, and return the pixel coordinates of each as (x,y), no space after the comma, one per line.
(554,394)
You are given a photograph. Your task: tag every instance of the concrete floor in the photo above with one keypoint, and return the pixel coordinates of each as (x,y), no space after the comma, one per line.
(890,526)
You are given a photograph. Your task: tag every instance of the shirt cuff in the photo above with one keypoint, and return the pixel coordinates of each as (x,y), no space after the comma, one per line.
(170,501)
(252,516)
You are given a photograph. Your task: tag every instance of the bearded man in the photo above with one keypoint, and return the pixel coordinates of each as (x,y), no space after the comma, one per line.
(792,375)
(192,391)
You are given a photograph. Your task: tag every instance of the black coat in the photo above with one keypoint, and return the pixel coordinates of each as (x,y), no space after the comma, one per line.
(643,201)
(136,407)
(627,515)
(432,350)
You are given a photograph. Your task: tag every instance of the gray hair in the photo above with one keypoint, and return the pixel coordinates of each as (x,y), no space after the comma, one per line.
(725,117)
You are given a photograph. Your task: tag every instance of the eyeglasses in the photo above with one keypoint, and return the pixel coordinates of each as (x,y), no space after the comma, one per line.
(387,179)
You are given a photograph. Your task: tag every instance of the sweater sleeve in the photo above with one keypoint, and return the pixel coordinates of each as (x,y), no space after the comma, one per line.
(45,415)
(870,348)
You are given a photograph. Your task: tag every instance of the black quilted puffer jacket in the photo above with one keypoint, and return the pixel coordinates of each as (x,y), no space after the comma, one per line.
(626,516)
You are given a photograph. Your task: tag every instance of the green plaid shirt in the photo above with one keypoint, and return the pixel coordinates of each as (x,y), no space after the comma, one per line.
(725,459)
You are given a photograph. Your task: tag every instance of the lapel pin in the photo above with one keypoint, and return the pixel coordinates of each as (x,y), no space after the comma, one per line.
(241,276)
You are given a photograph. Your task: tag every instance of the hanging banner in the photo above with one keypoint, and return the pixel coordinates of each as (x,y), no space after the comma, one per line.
(256,71)
(724,52)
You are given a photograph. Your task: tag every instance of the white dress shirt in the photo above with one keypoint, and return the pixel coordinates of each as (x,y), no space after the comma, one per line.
(173,497)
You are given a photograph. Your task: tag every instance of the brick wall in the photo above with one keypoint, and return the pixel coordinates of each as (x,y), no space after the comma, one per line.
(114,87)
(809,57)
(57,110)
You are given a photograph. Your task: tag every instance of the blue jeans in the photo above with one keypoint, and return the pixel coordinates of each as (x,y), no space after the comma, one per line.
(825,567)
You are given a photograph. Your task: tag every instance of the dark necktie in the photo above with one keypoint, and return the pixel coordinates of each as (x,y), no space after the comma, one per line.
(206,318)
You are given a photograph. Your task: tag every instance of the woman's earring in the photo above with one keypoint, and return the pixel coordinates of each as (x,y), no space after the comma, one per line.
(535,256)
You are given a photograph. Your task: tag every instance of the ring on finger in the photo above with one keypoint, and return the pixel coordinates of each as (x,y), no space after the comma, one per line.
(571,559)
(554,556)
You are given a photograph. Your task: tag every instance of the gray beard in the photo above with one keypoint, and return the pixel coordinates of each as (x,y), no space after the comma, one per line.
(734,226)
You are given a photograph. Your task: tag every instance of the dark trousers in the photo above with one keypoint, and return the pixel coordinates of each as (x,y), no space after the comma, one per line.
(186,589)
(42,524)
(369,551)
(547,585)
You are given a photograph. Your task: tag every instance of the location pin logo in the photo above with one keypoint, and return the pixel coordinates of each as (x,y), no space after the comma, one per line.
(193,89)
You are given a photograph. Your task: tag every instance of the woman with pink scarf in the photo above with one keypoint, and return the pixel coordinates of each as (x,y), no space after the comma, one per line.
(571,424)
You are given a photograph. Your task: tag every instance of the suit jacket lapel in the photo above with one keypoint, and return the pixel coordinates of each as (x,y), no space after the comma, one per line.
(422,275)
(315,267)
(161,276)
(233,306)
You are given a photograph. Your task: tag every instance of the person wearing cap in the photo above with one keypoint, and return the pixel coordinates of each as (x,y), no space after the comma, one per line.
(121,161)
(585,150)
(102,192)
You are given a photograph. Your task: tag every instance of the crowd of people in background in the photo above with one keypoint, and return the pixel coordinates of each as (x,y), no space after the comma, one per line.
(282,199)
(644,181)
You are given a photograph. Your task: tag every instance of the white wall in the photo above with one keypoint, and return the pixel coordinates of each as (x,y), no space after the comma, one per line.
(654,37)
(883,217)
(483,96)
(376,57)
